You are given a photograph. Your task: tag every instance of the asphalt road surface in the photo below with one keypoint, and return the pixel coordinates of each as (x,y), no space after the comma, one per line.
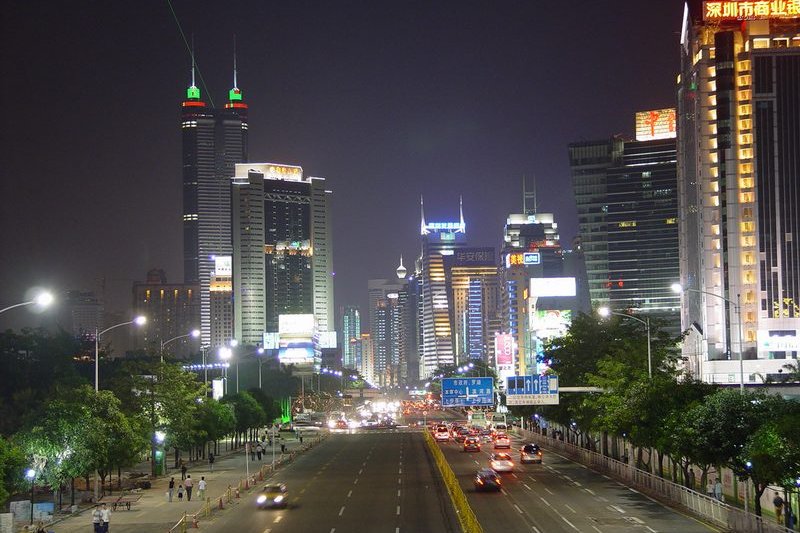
(355,481)
(560,496)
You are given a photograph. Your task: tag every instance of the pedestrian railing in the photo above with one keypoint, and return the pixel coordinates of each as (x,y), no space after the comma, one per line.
(732,518)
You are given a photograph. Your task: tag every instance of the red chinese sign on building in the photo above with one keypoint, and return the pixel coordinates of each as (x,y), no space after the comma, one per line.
(751,10)
(657,124)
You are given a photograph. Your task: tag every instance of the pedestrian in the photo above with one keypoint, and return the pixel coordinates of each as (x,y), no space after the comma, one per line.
(211,461)
(718,490)
(300,436)
(777,501)
(201,488)
(171,487)
(97,520)
(259,450)
(710,488)
(180,493)
(188,485)
(183,470)
(283,445)
(105,516)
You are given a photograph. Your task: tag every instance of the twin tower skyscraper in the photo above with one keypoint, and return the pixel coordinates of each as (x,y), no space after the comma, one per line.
(256,237)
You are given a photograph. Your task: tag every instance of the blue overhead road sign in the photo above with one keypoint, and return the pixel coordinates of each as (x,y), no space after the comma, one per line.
(465,392)
(532,390)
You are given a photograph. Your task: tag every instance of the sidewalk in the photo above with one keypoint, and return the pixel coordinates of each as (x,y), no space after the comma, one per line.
(153,512)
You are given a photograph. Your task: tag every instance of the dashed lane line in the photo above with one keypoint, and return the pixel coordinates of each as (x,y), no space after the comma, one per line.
(527,486)
(570,508)
(278,518)
(517,508)
(341,511)
(350,493)
(398,510)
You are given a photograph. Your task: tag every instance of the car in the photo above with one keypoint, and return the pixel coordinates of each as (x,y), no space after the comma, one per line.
(341,424)
(440,433)
(487,479)
(501,462)
(530,453)
(502,441)
(472,444)
(463,433)
(273,495)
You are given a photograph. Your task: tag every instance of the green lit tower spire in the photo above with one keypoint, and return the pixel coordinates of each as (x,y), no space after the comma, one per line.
(235,94)
(193,93)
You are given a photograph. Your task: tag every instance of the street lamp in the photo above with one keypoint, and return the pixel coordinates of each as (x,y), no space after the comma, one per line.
(30,475)
(680,289)
(195,333)
(606,312)
(43,300)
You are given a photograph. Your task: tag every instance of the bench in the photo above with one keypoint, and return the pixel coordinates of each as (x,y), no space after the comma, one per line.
(124,501)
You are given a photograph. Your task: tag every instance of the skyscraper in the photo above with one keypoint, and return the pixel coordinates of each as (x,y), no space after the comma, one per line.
(440,240)
(351,329)
(738,123)
(214,140)
(474,288)
(281,232)
(626,192)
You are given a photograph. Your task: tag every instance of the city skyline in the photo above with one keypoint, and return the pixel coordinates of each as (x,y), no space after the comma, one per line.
(453,99)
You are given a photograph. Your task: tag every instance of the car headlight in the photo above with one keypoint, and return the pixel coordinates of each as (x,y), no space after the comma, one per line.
(331,424)
(278,499)
(261,499)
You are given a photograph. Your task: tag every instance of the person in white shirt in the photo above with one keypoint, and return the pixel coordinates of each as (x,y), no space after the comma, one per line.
(97,519)
(201,488)
(105,515)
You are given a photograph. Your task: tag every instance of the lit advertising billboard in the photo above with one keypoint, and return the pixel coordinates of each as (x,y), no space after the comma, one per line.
(296,352)
(523,258)
(655,124)
(296,325)
(751,10)
(504,348)
(223,265)
(549,323)
(544,287)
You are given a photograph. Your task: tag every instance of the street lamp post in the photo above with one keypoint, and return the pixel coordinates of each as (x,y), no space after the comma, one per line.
(31,475)
(605,312)
(43,300)
(678,288)
(225,353)
(139,320)
(194,334)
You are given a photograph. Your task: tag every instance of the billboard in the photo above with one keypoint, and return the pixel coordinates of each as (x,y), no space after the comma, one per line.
(548,323)
(464,392)
(296,325)
(474,257)
(223,265)
(504,349)
(296,352)
(656,124)
(523,258)
(544,287)
(751,10)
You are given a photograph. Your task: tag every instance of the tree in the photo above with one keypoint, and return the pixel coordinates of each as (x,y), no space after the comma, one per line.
(267,403)
(248,413)
(12,468)
(215,420)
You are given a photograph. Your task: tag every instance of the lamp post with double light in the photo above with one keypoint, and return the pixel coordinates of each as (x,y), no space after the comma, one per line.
(606,312)
(41,300)
(680,289)
(195,333)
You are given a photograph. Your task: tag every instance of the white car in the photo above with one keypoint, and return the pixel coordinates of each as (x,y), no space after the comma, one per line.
(441,433)
(501,462)
(502,441)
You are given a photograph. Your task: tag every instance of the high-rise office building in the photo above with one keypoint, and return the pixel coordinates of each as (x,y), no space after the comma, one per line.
(440,240)
(738,123)
(281,242)
(82,314)
(475,295)
(214,140)
(350,329)
(626,193)
(171,311)
(390,318)
(221,291)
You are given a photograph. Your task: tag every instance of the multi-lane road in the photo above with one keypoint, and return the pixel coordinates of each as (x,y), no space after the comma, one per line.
(355,481)
(386,481)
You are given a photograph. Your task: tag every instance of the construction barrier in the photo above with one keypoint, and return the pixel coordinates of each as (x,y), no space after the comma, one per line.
(469,522)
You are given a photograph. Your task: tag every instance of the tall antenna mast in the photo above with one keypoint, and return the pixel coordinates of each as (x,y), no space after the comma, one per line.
(234,62)
(193,63)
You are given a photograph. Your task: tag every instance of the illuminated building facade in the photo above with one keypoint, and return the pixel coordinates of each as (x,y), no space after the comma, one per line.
(214,140)
(475,295)
(351,329)
(171,311)
(280,223)
(626,192)
(221,291)
(738,124)
(391,326)
(440,240)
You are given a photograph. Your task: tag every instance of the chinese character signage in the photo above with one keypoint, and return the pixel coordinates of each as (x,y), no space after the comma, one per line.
(475,256)
(656,124)
(464,392)
(751,10)
(532,390)
(504,348)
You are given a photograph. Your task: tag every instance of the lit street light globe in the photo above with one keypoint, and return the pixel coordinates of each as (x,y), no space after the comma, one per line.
(195,333)
(44,299)
(604,312)
(140,320)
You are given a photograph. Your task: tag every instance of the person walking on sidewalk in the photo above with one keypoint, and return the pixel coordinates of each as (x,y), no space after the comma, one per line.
(211,461)
(201,488)
(252,446)
(777,501)
(188,484)
(283,445)
(180,493)
(183,470)
(97,520)
(105,515)
(171,488)
(259,450)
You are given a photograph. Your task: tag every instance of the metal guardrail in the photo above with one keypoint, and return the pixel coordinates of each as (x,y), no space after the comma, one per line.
(469,522)
(731,518)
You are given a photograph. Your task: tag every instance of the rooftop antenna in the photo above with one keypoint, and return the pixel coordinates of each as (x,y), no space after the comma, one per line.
(234,62)
(422,229)
(462,226)
(528,195)
(193,63)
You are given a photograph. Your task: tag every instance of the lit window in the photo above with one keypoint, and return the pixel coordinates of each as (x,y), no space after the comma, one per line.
(714,229)
(749,276)
(747,213)
(746,197)
(761,43)
(717,261)
(745,109)
(750,335)
(715,201)
(714,185)
(746,153)
(628,224)
(712,114)
(671,221)
(745,124)
(745,183)
(746,138)
(745,168)
(748,240)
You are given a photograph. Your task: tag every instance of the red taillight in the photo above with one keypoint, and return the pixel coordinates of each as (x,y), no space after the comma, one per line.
(538,453)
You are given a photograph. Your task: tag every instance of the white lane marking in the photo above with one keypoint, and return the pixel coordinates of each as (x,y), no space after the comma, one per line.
(596,529)
(545,501)
(350,493)
(400,471)
(355,482)
(608,478)
(651,529)
(333,530)
(517,508)
(278,518)
(590,491)
(268,530)
(398,493)
(513,475)
(633,490)
(568,478)
(570,508)
(536,529)
(568,522)
(532,478)
(526,486)
(341,511)
(637,520)
(398,510)
(548,490)
(399,481)
(397,530)
(617,508)
(577,484)
(602,499)
(361,471)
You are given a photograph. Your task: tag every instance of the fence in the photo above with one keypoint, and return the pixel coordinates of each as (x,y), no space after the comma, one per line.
(232,493)
(706,507)
(467,518)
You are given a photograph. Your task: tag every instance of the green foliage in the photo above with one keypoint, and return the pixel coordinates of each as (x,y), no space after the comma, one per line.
(215,419)
(12,469)
(271,408)
(247,411)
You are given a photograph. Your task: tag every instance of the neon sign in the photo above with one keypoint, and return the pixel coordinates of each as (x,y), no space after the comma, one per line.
(656,124)
(751,10)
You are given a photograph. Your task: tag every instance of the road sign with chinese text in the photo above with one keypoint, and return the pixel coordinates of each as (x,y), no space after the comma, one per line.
(532,390)
(465,392)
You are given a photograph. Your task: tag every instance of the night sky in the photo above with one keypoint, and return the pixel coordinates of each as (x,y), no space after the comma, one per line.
(387,100)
